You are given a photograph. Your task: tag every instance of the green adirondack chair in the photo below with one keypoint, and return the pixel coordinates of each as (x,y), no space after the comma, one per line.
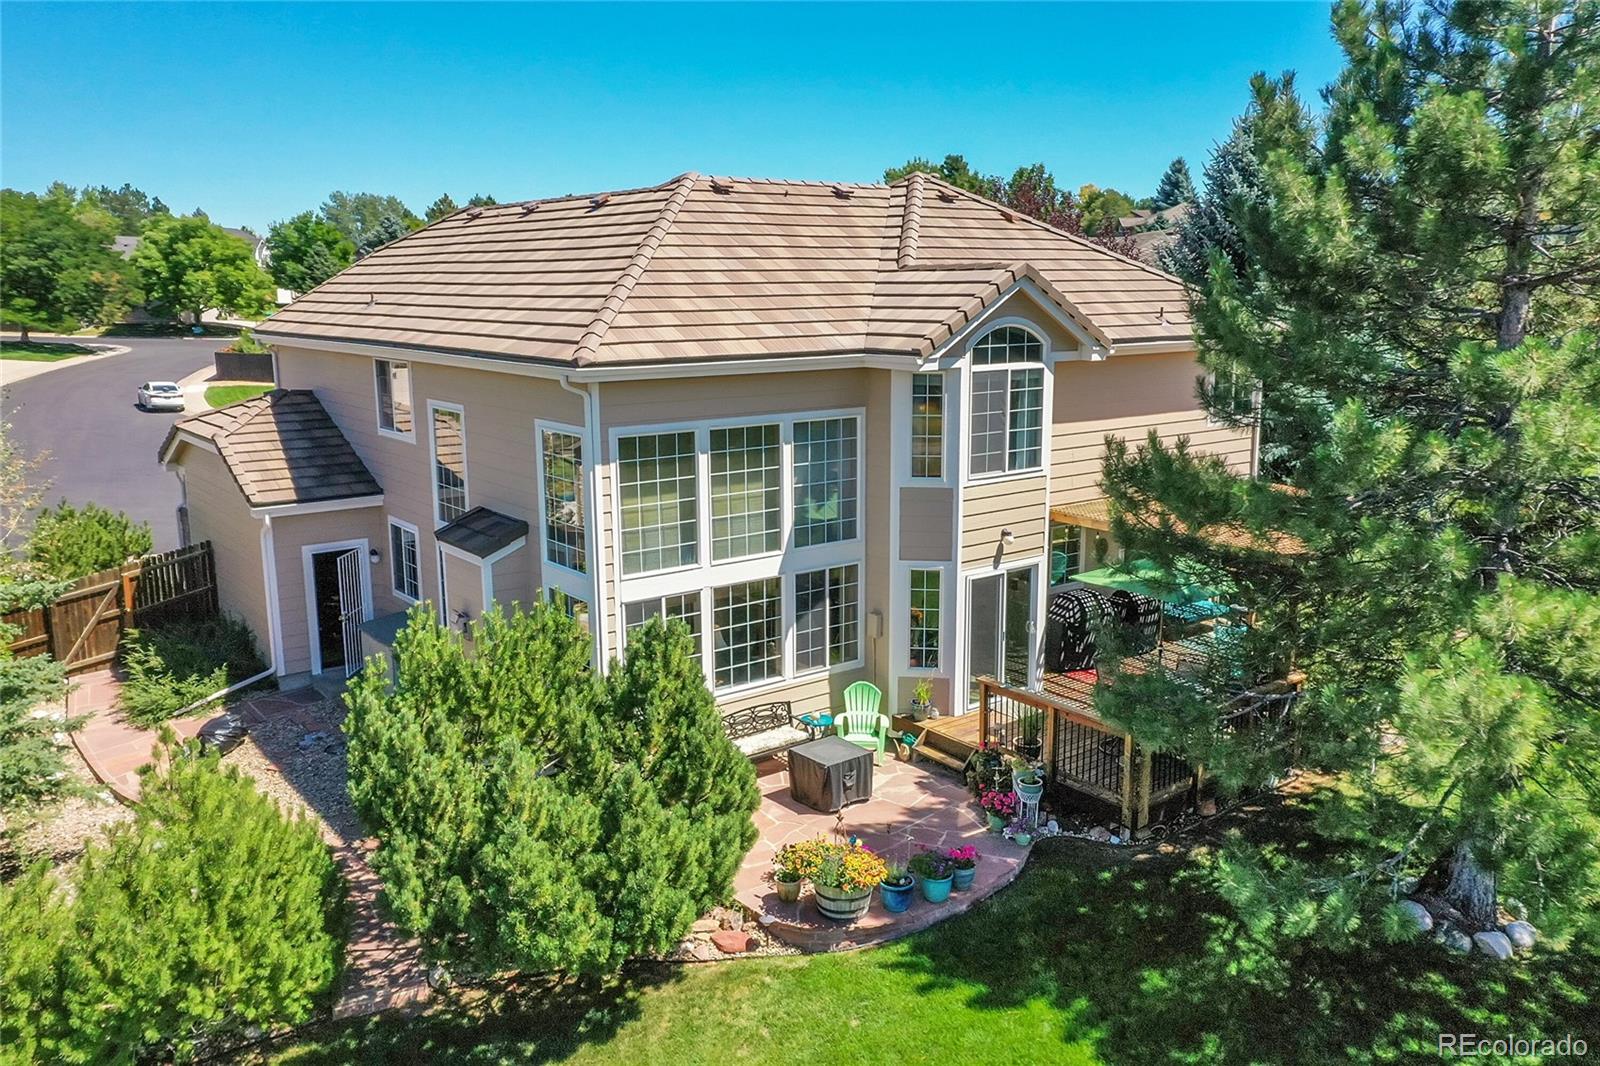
(861,722)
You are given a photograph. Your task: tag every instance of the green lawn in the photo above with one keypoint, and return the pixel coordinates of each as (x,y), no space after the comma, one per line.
(1081,961)
(223,395)
(42,351)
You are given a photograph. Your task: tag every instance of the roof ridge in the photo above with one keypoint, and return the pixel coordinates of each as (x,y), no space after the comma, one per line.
(1016,215)
(911,222)
(584,352)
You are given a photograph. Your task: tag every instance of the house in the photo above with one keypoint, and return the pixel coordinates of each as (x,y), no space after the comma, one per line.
(1154,230)
(823,424)
(259,250)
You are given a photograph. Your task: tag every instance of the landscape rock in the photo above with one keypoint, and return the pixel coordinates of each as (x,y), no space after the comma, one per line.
(1516,908)
(1100,833)
(1208,807)
(1521,934)
(702,952)
(735,920)
(731,941)
(705,925)
(1454,940)
(1493,944)
(1417,914)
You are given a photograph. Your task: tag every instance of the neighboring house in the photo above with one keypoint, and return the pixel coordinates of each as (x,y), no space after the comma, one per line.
(824,425)
(1154,230)
(126,244)
(258,245)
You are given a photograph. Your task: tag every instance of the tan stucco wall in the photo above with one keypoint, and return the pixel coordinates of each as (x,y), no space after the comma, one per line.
(1127,396)
(501,410)
(218,512)
(988,507)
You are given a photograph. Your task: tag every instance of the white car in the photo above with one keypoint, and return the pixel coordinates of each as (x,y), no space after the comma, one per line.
(160,396)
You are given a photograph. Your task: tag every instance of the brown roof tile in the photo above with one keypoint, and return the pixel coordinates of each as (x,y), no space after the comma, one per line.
(281,447)
(703,268)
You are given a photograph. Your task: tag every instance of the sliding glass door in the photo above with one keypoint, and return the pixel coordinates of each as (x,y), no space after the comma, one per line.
(1000,627)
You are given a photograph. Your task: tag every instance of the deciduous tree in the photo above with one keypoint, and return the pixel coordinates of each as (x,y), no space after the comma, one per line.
(57,270)
(1424,258)
(189,265)
(306,251)
(532,816)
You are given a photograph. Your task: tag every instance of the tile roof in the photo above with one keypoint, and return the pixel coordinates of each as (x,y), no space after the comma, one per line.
(281,447)
(709,268)
(482,532)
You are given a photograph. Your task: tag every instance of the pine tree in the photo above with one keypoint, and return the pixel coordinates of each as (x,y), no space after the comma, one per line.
(533,817)
(1175,187)
(389,229)
(443,207)
(1233,185)
(1424,259)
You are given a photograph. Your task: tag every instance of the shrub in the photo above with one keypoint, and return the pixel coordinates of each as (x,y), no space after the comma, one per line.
(31,766)
(246,342)
(171,666)
(532,816)
(70,542)
(209,913)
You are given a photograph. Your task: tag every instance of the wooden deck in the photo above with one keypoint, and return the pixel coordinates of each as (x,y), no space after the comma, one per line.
(949,740)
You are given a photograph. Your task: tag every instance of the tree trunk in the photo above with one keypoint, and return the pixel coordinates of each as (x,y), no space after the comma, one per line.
(22,327)
(1468,887)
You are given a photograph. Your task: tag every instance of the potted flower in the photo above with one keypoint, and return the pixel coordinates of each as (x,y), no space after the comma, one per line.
(1030,745)
(788,872)
(965,862)
(1001,807)
(935,871)
(896,889)
(922,700)
(842,878)
(1027,779)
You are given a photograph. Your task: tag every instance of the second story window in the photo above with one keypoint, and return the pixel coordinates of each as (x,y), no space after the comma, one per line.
(563,499)
(1007,402)
(746,491)
(394,396)
(656,483)
(824,481)
(927,425)
(449,463)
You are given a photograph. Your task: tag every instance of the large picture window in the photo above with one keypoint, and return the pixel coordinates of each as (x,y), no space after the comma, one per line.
(394,395)
(746,491)
(926,609)
(562,455)
(827,612)
(656,478)
(824,481)
(747,632)
(1007,404)
(449,464)
(683,608)
(927,425)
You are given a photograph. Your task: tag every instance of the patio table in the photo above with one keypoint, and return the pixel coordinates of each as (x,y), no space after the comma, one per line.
(830,773)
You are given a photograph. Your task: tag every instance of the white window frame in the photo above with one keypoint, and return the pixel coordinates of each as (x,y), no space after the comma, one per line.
(416,536)
(540,428)
(792,584)
(433,460)
(946,598)
(308,554)
(1009,369)
(912,476)
(706,576)
(410,437)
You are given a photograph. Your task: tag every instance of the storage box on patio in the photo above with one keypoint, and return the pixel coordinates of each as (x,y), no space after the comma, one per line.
(827,774)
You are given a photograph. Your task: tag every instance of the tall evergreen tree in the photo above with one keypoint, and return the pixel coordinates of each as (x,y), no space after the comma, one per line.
(1425,257)
(443,207)
(389,229)
(534,817)
(1175,187)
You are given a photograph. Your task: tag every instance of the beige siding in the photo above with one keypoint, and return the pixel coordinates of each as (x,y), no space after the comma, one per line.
(694,397)
(501,460)
(988,507)
(513,577)
(219,513)
(463,584)
(926,517)
(1127,397)
(815,692)
(291,534)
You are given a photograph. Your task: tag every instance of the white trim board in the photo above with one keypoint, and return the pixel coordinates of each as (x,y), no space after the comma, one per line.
(307,552)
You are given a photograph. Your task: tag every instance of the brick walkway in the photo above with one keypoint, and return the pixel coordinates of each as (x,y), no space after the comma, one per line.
(383,967)
(912,807)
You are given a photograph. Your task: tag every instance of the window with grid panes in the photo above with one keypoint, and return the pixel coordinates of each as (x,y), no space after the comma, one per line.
(656,485)
(825,481)
(746,473)
(747,632)
(827,617)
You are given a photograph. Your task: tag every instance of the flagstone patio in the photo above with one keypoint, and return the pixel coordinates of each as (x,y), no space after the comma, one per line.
(912,807)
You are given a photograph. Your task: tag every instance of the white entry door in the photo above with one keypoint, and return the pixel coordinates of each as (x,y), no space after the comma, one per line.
(351,608)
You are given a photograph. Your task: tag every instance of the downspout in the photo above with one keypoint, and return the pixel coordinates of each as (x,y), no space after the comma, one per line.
(599,615)
(269,577)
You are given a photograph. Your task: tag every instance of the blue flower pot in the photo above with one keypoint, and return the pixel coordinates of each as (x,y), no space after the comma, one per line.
(936,891)
(896,898)
(963,878)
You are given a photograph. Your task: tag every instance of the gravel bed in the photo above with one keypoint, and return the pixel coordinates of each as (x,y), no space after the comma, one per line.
(59,831)
(300,761)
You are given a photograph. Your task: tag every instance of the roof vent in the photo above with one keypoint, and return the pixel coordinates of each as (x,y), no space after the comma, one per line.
(474,213)
(718,185)
(530,207)
(947,195)
(372,298)
(1007,215)
(601,200)
(843,192)
(1161,315)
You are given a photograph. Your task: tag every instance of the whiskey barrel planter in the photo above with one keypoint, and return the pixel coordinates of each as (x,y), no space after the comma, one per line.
(842,906)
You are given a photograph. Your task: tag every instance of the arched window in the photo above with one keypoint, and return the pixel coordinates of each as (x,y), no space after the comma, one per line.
(1007,344)
(1007,402)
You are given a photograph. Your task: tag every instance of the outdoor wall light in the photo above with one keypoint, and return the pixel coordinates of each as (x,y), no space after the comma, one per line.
(374,556)
(1008,537)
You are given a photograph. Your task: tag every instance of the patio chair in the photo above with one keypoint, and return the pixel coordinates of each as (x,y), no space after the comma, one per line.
(861,722)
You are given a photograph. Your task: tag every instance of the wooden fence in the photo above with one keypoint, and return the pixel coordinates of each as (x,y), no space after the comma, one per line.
(84,625)
(1086,759)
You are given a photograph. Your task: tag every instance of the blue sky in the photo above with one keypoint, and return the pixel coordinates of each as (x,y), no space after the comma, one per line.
(256,111)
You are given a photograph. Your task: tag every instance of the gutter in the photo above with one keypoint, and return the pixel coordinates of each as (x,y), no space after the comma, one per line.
(598,617)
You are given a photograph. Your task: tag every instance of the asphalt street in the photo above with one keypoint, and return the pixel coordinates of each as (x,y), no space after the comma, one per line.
(101,447)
